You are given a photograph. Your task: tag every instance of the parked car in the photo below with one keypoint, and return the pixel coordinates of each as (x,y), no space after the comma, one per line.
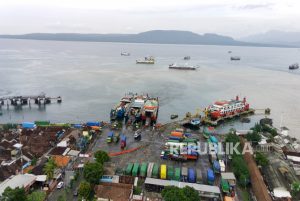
(60,185)
(75,192)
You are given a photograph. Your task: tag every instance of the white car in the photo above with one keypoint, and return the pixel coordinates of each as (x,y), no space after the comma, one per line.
(60,185)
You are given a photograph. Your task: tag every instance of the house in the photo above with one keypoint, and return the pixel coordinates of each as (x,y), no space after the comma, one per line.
(61,161)
(113,191)
(20,180)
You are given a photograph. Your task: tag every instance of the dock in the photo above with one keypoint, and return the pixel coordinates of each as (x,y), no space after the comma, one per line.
(216,122)
(41,99)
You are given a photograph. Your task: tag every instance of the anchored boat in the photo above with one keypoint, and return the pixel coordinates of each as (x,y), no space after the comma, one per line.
(294,66)
(235,58)
(181,67)
(150,111)
(225,108)
(187,58)
(134,112)
(146,60)
(125,54)
(120,109)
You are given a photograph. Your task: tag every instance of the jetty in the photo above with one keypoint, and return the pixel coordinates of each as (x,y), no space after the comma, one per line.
(27,100)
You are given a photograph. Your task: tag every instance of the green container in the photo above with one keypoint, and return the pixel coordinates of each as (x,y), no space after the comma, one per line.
(135,169)
(177,175)
(42,123)
(129,169)
(143,170)
(170,172)
(155,171)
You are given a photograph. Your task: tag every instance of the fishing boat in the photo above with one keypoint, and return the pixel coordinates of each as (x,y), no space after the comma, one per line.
(181,67)
(235,58)
(150,111)
(186,58)
(174,116)
(146,60)
(125,54)
(134,112)
(294,66)
(225,108)
(118,112)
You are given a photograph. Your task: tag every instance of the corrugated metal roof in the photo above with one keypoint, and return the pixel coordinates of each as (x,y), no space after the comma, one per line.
(20,180)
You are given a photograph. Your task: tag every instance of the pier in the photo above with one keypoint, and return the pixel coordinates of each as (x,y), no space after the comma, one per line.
(41,99)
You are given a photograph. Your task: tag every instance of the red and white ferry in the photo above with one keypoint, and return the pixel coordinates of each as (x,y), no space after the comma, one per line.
(227,108)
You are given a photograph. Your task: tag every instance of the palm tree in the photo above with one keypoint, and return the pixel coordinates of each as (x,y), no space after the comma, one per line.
(49,168)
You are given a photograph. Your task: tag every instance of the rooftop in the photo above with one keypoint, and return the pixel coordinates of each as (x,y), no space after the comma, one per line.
(114,191)
(19,180)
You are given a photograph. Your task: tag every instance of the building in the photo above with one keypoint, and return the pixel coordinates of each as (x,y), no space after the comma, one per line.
(20,180)
(113,191)
(205,191)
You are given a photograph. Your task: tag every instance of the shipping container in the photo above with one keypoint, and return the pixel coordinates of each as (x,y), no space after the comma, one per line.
(163,171)
(213,139)
(199,176)
(177,175)
(191,175)
(225,186)
(135,170)
(143,169)
(155,170)
(129,169)
(149,170)
(184,173)
(170,171)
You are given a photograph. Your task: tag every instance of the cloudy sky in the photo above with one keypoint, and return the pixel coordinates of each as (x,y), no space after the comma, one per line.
(236,18)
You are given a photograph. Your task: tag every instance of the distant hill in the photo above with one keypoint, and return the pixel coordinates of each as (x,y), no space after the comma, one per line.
(156,36)
(275,37)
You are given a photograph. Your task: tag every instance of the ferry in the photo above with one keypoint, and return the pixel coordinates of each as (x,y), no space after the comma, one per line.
(235,58)
(120,109)
(134,112)
(125,54)
(225,108)
(146,60)
(181,67)
(294,66)
(150,111)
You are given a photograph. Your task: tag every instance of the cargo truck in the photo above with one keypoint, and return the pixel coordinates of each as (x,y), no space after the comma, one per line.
(155,171)
(210,177)
(163,171)
(184,174)
(216,167)
(110,136)
(143,169)
(225,186)
(149,169)
(191,175)
(129,169)
(135,169)
(199,176)
(123,141)
(177,175)
(170,171)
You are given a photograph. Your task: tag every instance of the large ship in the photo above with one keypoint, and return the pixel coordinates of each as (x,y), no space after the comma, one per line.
(294,66)
(181,67)
(150,111)
(225,108)
(146,60)
(118,112)
(134,112)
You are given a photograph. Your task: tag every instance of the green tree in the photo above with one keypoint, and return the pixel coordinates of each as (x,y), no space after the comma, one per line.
(254,137)
(62,198)
(49,168)
(172,193)
(92,172)
(296,190)
(261,159)
(101,156)
(17,194)
(84,190)
(36,196)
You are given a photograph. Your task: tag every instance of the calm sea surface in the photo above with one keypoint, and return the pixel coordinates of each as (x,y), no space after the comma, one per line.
(92,77)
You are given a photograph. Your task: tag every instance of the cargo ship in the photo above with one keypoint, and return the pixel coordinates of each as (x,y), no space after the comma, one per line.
(120,109)
(150,111)
(226,108)
(134,112)
(146,60)
(181,67)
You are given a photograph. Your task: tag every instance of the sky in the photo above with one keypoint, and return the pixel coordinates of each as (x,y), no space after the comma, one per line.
(235,18)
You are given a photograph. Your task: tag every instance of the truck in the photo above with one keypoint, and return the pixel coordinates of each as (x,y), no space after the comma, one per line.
(129,169)
(149,169)
(135,169)
(155,171)
(199,176)
(170,172)
(213,139)
(110,136)
(216,167)
(143,169)
(177,174)
(222,165)
(225,186)
(116,137)
(191,175)
(123,141)
(163,171)
(212,155)
(210,176)
(184,174)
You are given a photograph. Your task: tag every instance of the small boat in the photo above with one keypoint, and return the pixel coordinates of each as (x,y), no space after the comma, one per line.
(294,66)
(174,116)
(186,58)
(229,52)
(150,111)
(235,58)
(146,60)
(181,67)
(120,109)
(125,54)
